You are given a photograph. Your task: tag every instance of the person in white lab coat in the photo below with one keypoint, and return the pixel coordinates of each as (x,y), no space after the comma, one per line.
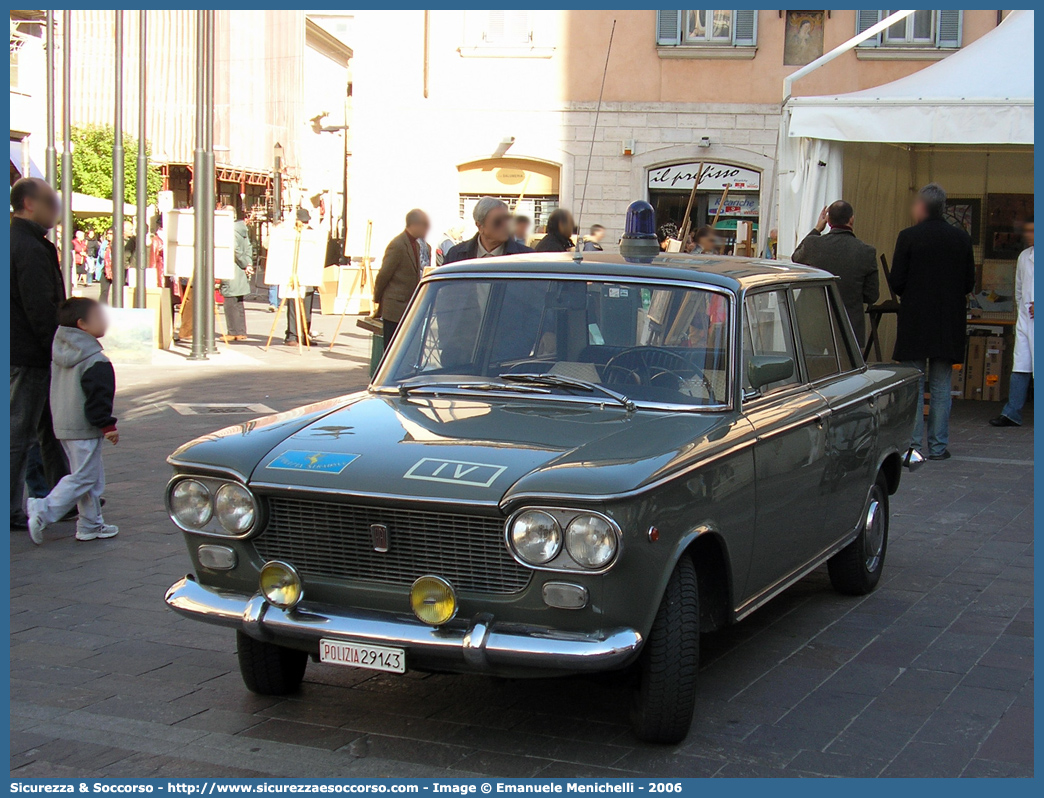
(1022,369)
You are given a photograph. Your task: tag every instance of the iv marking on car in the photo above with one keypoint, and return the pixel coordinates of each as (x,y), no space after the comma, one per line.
(455,472)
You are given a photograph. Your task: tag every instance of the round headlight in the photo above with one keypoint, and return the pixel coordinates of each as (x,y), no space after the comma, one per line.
(280,584)
(536,537)
(591,541)
(234,507)
(190,504)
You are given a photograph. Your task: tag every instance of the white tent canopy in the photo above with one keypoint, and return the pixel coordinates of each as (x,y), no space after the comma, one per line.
(982,94)
(85,206)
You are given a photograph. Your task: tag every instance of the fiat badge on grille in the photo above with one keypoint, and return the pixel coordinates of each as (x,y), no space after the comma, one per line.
(379,537)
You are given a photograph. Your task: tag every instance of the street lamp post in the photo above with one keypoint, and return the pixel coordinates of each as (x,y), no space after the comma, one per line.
(211,185)
(277,184)
(142,175)
(200,291)
(67,214)
(117,174)
(50,154)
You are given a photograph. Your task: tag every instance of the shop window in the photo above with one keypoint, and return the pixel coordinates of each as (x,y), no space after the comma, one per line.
(921,30)
(706,29)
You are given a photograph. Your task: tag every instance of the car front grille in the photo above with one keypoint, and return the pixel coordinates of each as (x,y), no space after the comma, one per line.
(334,541)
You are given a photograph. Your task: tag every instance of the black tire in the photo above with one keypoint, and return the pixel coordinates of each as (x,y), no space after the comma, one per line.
(856,569)
(665,697)
(269,669)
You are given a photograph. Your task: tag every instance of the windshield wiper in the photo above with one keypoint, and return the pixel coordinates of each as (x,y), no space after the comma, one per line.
(405,389)
(559,381)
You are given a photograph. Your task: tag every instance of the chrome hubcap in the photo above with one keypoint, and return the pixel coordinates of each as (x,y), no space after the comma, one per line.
(873,533)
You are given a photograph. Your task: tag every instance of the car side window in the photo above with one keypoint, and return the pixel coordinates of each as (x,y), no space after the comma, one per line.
(768,333)
(816,331)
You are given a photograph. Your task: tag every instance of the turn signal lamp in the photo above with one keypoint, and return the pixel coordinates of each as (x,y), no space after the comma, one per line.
(639,238)
(433,600)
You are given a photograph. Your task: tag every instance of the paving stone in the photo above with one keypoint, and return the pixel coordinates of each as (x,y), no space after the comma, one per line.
(930,675)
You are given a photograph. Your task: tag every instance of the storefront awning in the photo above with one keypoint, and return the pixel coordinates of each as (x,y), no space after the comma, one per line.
(982,94)
(16,161)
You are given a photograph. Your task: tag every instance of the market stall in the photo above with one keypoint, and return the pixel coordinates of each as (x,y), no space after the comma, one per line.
(965,122)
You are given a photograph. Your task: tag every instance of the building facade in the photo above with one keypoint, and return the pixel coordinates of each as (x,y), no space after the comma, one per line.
(453,105)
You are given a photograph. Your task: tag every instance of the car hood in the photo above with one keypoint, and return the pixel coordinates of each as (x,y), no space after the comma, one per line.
(475,450)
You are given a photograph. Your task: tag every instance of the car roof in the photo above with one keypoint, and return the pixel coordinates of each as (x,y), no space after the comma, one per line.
(724,271)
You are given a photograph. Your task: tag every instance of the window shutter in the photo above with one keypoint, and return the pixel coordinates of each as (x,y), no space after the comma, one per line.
(668,27)
(745,27)
(948,28)
(507,28)
(865,20)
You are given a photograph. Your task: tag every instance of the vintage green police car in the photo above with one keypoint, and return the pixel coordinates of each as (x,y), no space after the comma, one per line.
(562,465)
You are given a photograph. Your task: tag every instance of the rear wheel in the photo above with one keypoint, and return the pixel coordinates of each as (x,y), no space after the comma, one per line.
(269,669)
(665,697)
(856,569)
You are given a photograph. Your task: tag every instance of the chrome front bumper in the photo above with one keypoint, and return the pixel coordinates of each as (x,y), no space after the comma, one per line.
(479,645)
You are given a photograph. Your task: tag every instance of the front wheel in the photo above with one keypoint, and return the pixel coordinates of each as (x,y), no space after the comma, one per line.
(269,669)
(665,697)
(856,569)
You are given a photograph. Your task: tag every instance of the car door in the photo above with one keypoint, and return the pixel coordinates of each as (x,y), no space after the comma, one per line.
(789,455)
(836,372)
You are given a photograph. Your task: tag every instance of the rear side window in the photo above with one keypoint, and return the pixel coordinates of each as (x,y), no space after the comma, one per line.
(768,332)
(816,330)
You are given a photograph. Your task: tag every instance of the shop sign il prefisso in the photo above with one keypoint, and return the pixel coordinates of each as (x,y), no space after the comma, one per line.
(714,178)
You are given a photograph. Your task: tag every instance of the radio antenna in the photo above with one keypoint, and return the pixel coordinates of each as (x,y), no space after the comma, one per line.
(578,254)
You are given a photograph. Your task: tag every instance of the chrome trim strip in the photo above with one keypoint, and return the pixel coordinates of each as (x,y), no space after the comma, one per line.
(773,590)
(575,512)
(481,645)
(207,470)
(380,497)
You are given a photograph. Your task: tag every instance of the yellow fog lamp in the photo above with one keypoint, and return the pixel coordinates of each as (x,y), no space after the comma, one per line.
(280,584)
(433,600)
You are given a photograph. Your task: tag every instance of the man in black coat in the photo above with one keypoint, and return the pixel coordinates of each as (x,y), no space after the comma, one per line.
(36,292)
(840,252)
(933,271)
(494,236)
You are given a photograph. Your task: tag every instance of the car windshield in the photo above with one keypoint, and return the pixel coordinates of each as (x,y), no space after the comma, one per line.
(605,341)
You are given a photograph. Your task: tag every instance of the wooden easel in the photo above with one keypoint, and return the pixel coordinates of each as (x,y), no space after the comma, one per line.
(293,287)
(364,281)
(686,222)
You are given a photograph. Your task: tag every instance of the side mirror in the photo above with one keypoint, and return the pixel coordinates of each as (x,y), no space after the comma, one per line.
(766,369)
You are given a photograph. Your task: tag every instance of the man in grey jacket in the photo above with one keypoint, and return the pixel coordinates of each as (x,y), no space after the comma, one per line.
(840,252)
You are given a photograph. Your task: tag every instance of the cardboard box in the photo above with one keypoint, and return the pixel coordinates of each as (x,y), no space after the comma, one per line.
(994,368)
(957,381)
(975,367)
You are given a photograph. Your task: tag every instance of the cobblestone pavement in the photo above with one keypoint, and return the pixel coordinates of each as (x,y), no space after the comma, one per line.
(931,675)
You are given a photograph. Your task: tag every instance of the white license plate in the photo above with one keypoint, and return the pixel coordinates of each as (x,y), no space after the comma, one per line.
(360,655)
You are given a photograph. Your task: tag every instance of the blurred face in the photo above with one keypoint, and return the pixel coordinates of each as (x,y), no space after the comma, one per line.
(96,323)
(521,229)
(919,210)
(43,208)
(597,235)
(707,243)
(1027,233)
(108,235)
(79,235)
(565,225)
(420,227)
(496,227)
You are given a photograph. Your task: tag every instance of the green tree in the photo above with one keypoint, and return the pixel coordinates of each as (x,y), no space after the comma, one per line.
(92,170)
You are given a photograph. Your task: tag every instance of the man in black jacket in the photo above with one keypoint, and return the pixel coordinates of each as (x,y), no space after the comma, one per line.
(933,271)
(494,236)
(36,292)
(840,252)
